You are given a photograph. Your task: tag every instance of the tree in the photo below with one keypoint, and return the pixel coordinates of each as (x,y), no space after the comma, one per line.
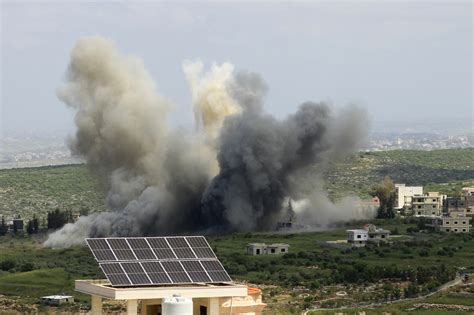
(29,227)
(35,224)
(3,227)
(57,219)
(385,191)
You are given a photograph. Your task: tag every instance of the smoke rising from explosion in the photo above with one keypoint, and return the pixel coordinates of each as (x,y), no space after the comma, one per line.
(233,173)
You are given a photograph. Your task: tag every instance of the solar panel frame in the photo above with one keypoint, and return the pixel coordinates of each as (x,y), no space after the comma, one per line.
(156,272)
(147,261)
(116,275)
(176,272)
(181,248)
(216,271)
(200,247)
(136,273)
(100,249)
(161,248)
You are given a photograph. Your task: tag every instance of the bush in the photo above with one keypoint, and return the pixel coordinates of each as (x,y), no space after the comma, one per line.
(7,265)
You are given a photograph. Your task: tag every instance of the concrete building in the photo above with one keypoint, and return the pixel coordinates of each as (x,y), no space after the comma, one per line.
(56,300)
(255,249)
(404,194)
(467,191)
(207,299)
(377,235)
(429,204)
(357,237)
(453,223)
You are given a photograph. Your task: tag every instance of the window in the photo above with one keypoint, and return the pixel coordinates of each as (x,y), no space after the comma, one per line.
(447,222)
(272,250)
(434,206)
(383,235)
(419,206)
(257,251)
(447,230)
(202,310)
(455,230)
(359,236)
(419,212)
(455,222)
(282,250)
(434,200)
(464,230)
(433,212)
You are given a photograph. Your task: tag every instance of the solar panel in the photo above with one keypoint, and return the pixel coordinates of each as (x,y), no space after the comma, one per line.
(180,247)
(141,248)
(156,272)
(216,271)
(142,261)
(161,248)
(115,274)
(200,247)
(101,250)
(135,273)
(175,271)
(195,271)
(121,249)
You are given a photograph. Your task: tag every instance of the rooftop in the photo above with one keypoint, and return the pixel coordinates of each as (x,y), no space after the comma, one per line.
(103,289)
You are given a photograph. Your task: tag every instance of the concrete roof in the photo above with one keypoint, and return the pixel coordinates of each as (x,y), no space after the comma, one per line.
(103,289)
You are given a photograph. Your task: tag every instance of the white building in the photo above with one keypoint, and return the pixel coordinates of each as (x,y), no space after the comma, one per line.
(56,300)
(255,249)
(404,194)
(357,237)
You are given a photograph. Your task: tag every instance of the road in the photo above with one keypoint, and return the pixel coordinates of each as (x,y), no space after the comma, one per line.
(447,285)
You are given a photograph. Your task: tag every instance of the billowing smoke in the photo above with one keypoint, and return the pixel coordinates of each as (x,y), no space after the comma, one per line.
(233,173)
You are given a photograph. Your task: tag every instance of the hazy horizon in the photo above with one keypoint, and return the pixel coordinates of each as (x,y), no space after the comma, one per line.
(407,63)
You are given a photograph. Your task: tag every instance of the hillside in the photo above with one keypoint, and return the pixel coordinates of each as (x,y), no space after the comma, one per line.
(31,191)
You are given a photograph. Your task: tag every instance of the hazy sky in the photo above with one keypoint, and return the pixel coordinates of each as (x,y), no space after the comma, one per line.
(404,61)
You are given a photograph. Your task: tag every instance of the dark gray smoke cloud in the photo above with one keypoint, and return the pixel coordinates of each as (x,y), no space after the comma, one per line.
(163,181)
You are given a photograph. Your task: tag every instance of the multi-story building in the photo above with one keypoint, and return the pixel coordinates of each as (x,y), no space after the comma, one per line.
(429,204)
(463,205)
(404,194)
(454,223)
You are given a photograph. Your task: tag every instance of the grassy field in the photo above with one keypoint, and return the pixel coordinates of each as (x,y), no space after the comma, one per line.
(35,191)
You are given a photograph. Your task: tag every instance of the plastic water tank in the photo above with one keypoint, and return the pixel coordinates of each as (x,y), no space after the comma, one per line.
(177,305)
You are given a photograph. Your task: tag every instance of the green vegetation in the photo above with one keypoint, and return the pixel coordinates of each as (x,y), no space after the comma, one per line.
(415,263)
(36,191)
(453,168)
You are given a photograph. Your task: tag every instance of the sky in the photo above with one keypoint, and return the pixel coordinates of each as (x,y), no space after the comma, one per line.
(408,63)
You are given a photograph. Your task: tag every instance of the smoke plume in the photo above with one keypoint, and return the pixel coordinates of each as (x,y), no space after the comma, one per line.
(233,173)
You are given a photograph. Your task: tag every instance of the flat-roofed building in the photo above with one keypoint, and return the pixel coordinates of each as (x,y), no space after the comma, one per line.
(377,235)
(56,300)
(357,237)
(255,249)
(404,194)
(453,223)
(429,204)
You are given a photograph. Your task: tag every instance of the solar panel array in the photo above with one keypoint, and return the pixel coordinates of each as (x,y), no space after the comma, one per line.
(157,260)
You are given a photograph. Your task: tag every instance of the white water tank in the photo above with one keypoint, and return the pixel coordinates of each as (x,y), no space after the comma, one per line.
(177,305)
